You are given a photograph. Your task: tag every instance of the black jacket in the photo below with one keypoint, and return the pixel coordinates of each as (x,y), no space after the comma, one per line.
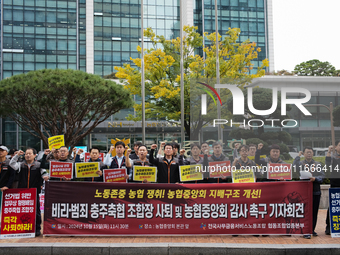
(167,171)
(7,174)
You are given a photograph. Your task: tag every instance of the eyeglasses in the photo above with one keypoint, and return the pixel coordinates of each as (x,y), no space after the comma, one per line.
(243,151)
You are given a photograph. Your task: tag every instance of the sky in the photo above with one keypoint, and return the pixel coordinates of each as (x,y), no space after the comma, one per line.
(305,30)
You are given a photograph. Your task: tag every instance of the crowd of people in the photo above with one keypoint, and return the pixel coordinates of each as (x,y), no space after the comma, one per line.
(21,169)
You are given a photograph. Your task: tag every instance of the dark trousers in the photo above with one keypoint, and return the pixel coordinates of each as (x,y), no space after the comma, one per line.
(316,203)
(38,216)
(327,221)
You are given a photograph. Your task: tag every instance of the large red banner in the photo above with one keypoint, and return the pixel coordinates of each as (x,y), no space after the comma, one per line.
(18,211)
(81,208)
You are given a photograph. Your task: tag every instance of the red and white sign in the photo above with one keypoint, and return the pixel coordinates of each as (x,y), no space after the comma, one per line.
(115,175)
(61,169)
(18,211)
(279,171)
(219,169)
(87,156)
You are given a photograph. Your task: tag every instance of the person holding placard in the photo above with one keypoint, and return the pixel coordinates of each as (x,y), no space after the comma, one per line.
(309,167)
(274,157)
(243,162)
(217,156)
(193,160)
(94,157)
(63,157)
(142,159)
(167,166)
(31,175)
(120,161)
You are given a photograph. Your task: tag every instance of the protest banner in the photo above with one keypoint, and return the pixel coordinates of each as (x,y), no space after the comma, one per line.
(278,171)
(253,157)
(18,212)
(61,169)
(334,211)
(141,173)
(219,169)
(115,175)
(87,169)
(55,142)
(85,208)
(243,175)
(87,156)
(190,173)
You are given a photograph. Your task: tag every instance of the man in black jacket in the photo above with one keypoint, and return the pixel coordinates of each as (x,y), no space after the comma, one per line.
(309,164)
(7,174)
(167,166)
(31,175)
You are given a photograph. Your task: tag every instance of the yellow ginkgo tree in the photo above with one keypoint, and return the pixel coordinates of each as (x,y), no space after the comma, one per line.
(162,73)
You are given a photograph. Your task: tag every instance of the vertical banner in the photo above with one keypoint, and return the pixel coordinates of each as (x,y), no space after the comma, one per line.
(61,169)
(85,208)
(114,175)
(18,212)
(334,211)
(219,169)
(55,142)
(278,171)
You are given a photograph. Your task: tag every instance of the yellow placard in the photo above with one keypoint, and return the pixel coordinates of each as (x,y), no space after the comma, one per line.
(55,142)
(87,169)
(243,175)
(191,173)
(253,157)
(141,173)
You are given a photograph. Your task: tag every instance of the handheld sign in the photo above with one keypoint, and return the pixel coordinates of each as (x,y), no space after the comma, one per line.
(55,142)
(61,169)
(334,211)
(219,169)
(243,175)
(141,173)
(278,171)
(88,169)
(18,212)
(190,173)
(115,175)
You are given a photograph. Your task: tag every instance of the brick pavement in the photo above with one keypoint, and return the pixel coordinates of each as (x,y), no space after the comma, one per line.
(320,229)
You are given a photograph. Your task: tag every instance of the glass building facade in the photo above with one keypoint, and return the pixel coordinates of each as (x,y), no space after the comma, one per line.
(96,35)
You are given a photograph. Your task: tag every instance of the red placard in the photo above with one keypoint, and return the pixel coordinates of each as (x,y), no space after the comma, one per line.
(87,156)
(61,169)
(114,175)
(85,208)
(18,209)
(219,169)
(279,171)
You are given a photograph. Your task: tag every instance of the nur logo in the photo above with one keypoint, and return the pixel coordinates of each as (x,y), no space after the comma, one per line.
(204,97)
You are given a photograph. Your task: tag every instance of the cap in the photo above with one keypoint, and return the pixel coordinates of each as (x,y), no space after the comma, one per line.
(3,147)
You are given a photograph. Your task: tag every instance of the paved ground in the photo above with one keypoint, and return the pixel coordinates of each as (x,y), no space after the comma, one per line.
(227,239)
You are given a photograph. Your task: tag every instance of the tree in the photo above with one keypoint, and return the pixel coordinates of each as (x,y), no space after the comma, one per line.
(65,102)
(162,72)
(316,68)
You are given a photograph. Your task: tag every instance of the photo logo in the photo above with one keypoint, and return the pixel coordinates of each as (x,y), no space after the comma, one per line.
(204,97)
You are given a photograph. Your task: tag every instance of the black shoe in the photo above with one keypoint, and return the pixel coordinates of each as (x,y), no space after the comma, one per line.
(265,235)
(234,235)
(307,236)
(37,233)
(256,235)
(315,234)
